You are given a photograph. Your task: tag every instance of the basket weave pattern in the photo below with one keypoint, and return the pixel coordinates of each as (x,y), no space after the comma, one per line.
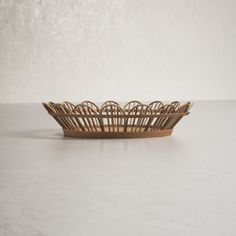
(134,119)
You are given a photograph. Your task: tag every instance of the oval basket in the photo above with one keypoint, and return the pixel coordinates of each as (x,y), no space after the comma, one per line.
(110,120)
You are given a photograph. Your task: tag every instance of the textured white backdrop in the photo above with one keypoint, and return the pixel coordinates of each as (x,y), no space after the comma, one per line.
(117,49)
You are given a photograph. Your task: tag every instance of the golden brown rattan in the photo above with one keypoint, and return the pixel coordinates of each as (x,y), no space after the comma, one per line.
(111,120)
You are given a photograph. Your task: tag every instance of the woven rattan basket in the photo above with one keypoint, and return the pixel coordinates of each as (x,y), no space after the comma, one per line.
(133,120)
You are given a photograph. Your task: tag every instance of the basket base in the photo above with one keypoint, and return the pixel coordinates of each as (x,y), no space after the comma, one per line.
(94,135)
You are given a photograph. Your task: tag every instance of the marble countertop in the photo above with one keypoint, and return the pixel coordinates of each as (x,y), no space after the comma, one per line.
(180,185)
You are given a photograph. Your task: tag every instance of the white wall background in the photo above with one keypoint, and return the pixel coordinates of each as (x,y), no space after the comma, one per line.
(117,49)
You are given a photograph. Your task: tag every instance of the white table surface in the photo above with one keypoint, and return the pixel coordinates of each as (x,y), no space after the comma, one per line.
(179,185)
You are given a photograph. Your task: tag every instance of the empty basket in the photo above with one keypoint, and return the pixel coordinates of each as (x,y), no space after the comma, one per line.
(111,120)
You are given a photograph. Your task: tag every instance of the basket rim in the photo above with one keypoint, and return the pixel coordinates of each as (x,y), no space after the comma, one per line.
(97,111)
(118,116)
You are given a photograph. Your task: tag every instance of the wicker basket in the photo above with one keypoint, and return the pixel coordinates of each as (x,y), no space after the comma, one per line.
(133,120)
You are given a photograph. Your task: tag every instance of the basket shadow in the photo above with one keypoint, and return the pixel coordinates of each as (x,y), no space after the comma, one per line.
(57,134)
(50,134)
